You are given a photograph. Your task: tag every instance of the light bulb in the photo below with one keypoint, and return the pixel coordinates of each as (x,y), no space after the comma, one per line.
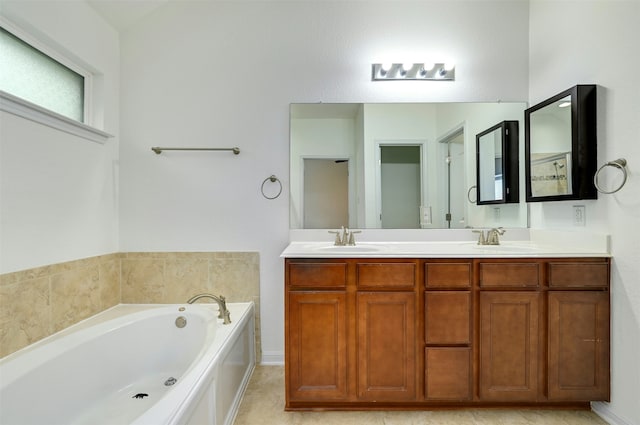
(407,66)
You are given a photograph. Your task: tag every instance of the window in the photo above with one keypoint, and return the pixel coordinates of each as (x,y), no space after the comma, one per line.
(33,76)
(42,85)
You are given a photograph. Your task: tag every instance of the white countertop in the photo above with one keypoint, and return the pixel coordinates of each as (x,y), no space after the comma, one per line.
(542,243)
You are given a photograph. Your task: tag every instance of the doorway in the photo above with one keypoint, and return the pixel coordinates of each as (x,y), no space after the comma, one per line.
(400,186)
(326,193)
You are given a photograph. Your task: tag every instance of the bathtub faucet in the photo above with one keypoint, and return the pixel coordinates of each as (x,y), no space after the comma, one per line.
(222,306)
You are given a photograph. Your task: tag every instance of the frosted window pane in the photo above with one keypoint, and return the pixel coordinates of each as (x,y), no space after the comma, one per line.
(31,75)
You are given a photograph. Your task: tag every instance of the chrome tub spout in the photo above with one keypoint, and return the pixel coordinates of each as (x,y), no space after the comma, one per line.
(222,306)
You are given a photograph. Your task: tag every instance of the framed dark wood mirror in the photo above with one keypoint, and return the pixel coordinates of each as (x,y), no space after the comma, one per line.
(497,164)
(561,146)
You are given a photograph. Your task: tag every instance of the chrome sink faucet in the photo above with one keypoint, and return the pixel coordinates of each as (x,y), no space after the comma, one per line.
(344,236)
(222,306)
(492,238)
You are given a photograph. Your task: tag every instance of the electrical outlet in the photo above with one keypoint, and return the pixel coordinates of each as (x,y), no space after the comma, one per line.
(579,218)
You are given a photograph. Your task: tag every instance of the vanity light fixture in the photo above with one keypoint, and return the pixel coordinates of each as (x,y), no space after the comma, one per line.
(564,104)
(413,71)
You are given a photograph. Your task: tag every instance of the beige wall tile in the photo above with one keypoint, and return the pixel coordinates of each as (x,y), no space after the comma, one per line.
(142,280)
(236,275)
(185,276)
(75,295)
(25,315)
(110,283)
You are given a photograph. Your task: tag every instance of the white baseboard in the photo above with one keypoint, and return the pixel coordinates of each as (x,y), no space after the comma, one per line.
(602,409)
(272,358)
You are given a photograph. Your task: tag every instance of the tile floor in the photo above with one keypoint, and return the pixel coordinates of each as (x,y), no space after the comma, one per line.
(263,404)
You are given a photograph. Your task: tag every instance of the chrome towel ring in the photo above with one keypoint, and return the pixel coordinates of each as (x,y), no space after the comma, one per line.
(273,179)
(620,164)
(472,188)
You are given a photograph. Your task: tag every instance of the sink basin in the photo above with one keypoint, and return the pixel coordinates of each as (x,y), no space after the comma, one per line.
(506,248)
(503,247)
(352,249)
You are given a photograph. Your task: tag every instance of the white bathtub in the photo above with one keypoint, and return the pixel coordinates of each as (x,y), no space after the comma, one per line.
(112,368)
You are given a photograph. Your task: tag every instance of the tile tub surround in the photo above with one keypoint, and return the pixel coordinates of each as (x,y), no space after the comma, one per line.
(38,302)
(263,403)
(174,277)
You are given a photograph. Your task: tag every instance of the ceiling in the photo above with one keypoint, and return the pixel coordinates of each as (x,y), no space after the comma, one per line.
(123,14)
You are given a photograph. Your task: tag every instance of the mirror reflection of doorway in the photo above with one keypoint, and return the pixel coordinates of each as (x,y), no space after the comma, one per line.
(326,193)
(400,186)
(454,183)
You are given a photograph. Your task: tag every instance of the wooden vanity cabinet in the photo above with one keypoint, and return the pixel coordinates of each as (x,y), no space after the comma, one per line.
(427,333)
(578,330)
(509,326)
(350,331)
(316,324)
(544,330)
(386,330)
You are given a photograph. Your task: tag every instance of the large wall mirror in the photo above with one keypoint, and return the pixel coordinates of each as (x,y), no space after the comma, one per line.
(560,146)
(393,165)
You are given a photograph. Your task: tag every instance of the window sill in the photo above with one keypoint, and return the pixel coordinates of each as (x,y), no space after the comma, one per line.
(22,108)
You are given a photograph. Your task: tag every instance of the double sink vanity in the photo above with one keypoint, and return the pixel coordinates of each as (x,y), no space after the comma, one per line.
(449,323)
(429,315)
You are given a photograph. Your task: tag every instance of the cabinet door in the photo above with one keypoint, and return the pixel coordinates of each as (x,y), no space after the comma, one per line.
(579,346)
(386,346)
(316,360)
(509,346)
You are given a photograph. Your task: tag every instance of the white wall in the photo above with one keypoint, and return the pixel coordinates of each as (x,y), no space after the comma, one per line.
(319,138)
(224,73)
(58,192)
(596,42)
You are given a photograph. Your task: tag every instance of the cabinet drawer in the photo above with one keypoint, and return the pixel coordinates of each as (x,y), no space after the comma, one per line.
(447,317)
(447,275)
(318,275)
(590,275)
(447,373)
(391,275)
(509,274)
